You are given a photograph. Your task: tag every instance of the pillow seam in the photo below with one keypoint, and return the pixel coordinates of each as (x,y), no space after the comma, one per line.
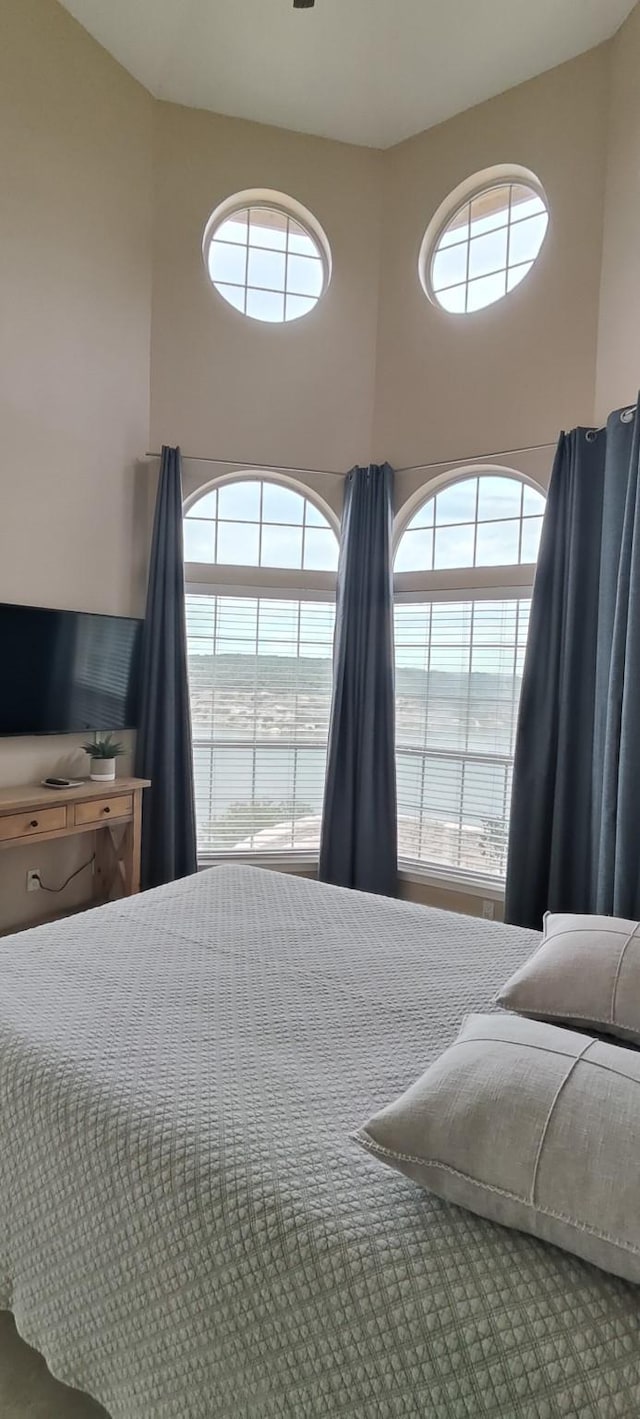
(619,966)
(588,931)
(544,1014)
(361,1137)
(565,1080)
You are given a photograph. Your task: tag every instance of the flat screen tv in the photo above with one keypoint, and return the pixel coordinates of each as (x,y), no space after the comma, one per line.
(64,672)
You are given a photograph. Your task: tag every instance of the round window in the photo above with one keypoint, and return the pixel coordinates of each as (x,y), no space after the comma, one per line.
(266,260)
(485,246)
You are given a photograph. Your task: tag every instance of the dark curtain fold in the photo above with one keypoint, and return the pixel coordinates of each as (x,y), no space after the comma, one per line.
(163,752)
(359,824)
(574,841)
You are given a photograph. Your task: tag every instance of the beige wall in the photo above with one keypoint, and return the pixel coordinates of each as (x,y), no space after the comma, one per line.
(377,370)
(619,336)
(519,371)
(489,903)
(226,387)
(75,290)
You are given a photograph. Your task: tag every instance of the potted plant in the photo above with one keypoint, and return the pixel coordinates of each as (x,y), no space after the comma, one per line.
(103,753)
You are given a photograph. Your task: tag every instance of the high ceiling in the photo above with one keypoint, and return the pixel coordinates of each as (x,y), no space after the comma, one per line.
(365,71)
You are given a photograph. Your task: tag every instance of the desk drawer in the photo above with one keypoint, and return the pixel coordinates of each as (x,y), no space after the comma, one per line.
(104,810)
(30,823)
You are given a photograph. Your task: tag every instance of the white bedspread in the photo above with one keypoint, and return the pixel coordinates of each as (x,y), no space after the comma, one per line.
(187,1230)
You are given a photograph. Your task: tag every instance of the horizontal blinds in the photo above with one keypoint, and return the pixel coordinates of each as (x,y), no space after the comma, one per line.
(458,676)
(260,687)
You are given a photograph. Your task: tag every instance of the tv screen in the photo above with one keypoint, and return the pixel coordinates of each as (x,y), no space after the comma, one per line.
(67,671)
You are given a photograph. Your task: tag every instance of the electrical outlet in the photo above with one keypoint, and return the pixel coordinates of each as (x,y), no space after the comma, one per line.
(488,909)
(33,879)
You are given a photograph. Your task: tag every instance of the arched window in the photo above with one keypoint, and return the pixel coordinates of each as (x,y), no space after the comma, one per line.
(261,558)
(464,569)
(257,522)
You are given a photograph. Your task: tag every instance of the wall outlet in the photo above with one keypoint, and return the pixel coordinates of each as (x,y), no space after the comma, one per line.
(33,879)
(488,909)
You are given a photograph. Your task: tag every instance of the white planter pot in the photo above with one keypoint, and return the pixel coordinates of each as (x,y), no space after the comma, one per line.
(103,770)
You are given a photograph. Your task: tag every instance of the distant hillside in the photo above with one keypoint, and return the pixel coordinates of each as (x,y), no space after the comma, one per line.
(313,676)
(269,672)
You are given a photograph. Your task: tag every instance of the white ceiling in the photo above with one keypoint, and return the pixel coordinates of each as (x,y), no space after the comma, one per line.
(365,71)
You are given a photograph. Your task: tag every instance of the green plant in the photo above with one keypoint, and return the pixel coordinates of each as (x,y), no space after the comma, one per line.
(104,748)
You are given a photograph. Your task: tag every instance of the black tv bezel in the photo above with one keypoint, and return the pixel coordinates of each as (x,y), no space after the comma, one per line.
(66,610)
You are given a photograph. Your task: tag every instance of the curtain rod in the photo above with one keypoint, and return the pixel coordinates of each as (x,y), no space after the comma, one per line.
(476,457)
(249,465)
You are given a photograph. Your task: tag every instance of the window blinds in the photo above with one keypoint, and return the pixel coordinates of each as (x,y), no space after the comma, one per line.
(458,675)
(260,674)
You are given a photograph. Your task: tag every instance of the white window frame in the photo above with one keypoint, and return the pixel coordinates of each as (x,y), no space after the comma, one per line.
(499,175)
(278,583)
(253,198)
(494,583)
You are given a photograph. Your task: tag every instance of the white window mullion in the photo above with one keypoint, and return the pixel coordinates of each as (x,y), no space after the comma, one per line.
(425,741)
(212,751)
(255,711)
(294,779)
(506,804)
(422,847)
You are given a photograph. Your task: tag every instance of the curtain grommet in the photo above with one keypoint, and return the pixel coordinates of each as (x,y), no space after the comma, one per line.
(627,415)
(591,435)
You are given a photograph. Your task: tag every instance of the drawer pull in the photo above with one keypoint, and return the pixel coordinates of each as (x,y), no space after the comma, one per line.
(14,826)
(104,810)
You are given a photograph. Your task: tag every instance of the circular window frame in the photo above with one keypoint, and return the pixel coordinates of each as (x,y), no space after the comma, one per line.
(256,197)
(474,186)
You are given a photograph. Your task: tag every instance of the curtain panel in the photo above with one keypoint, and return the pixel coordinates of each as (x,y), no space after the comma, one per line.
(359,826)
(163,750)
(574,837)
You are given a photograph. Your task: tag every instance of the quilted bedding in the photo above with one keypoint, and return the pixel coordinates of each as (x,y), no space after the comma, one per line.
(187,1230)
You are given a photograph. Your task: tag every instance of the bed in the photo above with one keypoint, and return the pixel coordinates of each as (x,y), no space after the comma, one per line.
(188,1231)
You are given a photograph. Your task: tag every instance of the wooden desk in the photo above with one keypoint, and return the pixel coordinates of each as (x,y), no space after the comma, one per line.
(113,811)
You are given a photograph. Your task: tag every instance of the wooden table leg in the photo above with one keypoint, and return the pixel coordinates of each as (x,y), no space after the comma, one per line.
(135,844)
(105,865)
(118,855)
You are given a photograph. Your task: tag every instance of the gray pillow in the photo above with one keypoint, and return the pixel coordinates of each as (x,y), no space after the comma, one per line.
(529,1125)
(586,972)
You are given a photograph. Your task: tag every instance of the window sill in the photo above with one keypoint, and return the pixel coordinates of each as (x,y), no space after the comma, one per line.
(472,885)
(282,862)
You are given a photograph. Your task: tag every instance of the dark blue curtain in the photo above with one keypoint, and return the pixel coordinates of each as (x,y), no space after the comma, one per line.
(359,825)
(574,840)
(163,751)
